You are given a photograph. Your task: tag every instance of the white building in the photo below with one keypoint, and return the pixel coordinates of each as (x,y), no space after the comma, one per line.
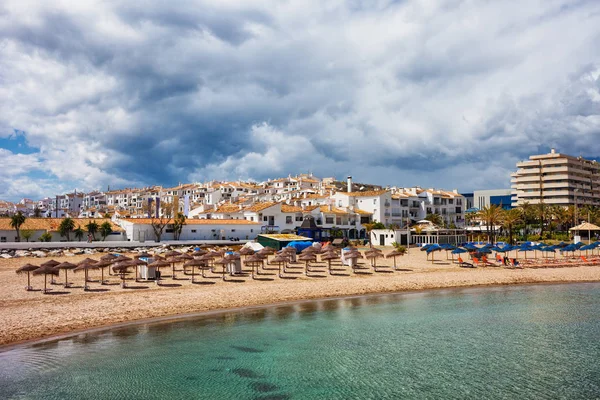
(140,229)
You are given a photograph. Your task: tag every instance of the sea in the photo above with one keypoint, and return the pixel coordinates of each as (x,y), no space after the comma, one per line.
(509,342)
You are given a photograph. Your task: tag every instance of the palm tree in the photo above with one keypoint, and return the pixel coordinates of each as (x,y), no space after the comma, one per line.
(105,229)
(510,218)
(436,219)
(369,227)
(16,221)
(66,227)
(79,233)
(540,212)
(491,215)
(92,228)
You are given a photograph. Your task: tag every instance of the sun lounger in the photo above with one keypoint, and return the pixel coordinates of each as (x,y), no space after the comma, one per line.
(462,263)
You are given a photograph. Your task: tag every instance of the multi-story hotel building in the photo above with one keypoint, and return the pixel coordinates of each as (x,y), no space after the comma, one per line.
(556,178)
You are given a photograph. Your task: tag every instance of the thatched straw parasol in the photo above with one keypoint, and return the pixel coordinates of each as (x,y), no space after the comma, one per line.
(199,253)
(172,253)
(136,263)
(108,257)
(158,264)
(280,260)
(223,262)
(51,264)
(122,268)
(66,266)
(394,254)
(143,255)
(194,263)
(328,257)
(101,265)
(310,250)
(246,251)
(46,270)
(254,261)
(89,261)
(85,265)
(307,258)
(28,268)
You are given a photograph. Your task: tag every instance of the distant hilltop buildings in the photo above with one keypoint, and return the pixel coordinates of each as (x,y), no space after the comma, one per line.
(277,205)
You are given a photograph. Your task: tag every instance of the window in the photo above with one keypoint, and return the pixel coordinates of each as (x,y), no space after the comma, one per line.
(233,230)
(3,239)
(329,220)
(299,218)
(265,218)
(251,230)
(288,219)
(169,230)
(193,231)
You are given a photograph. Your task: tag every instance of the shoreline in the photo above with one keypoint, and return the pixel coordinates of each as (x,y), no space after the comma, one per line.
(29,317)
(212,312)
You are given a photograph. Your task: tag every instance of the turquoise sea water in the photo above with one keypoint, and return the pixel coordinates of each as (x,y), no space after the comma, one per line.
(525,342)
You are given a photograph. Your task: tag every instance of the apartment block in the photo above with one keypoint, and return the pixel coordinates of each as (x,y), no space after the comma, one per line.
(556,178)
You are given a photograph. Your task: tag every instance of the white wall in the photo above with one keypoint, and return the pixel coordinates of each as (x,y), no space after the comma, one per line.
(137,232)
(389,237)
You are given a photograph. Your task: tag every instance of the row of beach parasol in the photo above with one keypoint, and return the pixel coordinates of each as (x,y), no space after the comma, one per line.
(542,251)
(204,267)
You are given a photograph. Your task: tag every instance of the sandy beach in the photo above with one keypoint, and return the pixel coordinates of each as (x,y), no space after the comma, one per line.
(33,315)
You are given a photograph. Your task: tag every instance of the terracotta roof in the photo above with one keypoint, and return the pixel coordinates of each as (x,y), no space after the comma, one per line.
(259,206)
(286,208)
(51,224)
(227,209)
(192,221)
(367,193)
(310,208)
(362,212)
(334,210)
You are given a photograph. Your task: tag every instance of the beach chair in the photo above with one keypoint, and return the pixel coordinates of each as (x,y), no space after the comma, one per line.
(476,261)
(484,261)
(515,263)
(462,263)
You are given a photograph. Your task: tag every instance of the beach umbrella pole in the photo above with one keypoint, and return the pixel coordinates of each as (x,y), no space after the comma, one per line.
(28,282)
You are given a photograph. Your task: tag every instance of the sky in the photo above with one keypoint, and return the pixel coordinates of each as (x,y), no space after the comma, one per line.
(437,93)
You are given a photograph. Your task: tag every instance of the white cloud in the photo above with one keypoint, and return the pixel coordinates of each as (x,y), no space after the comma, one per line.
(414,92)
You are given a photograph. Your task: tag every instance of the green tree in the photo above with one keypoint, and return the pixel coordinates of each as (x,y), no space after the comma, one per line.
(26,234)
(491,215)
(436,219)
(79,232)
(66,227)
(510,218)
(45,237)
(92,227)
(37,213)
(105,230)
(178,223)
(16,221)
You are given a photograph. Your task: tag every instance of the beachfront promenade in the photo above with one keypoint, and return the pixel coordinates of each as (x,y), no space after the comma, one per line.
(113,244)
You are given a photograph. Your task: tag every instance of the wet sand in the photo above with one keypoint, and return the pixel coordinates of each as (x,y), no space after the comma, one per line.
(33,315)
